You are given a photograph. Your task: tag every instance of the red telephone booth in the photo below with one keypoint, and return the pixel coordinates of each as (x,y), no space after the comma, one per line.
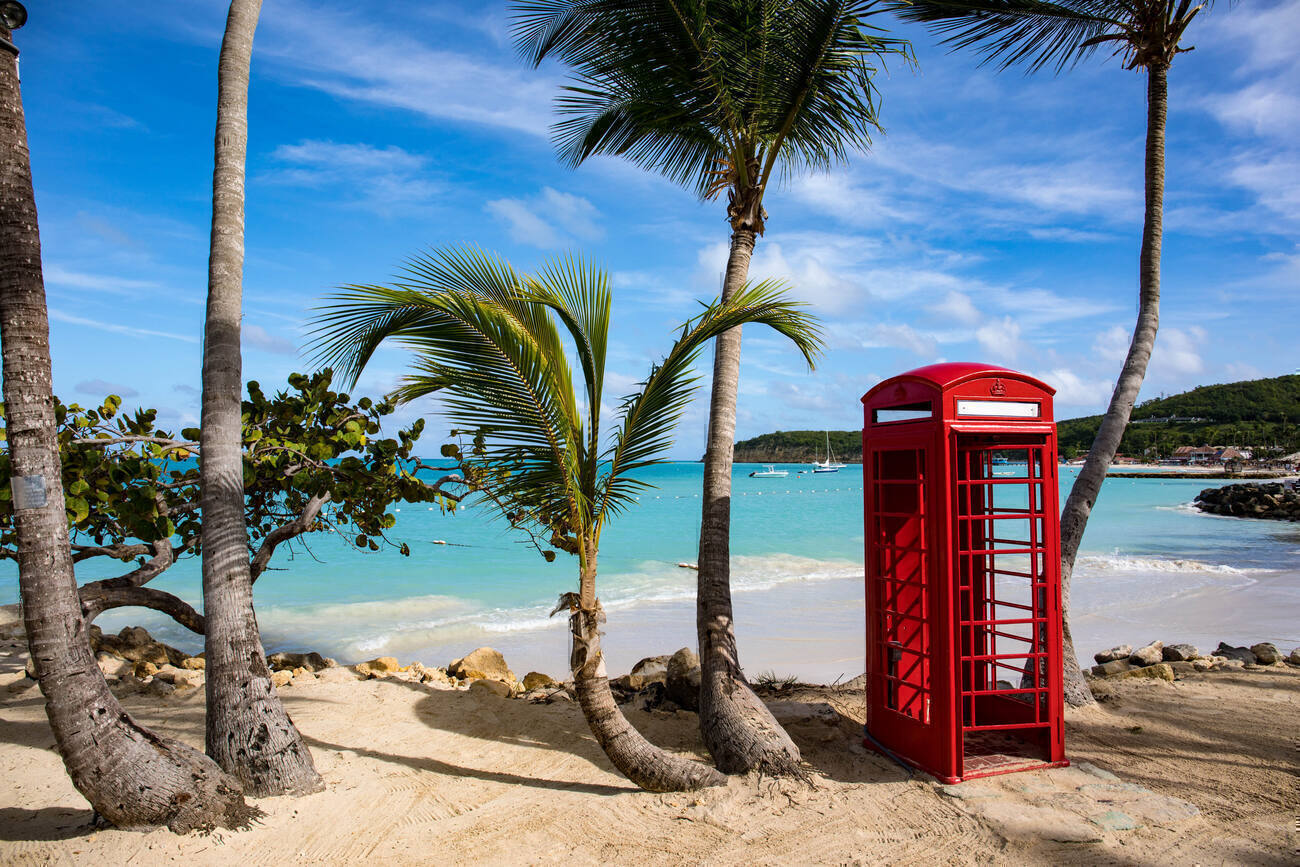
(963,571)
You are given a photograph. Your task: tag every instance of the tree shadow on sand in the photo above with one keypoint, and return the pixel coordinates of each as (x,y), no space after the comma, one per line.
(19,824)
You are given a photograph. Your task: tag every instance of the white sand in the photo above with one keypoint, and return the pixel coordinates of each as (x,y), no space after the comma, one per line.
(417,775)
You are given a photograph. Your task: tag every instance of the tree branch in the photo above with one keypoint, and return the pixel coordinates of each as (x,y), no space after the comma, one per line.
(284,532)
(103,597)
(101,442)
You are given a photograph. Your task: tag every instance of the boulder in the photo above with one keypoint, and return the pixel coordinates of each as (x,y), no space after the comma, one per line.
(652,669)
(1233,663)
(159,688)
(381,666)
(1159,671)
(11,622)
(1203,664)
(281,678)
(135,636)
(560,696)
(1148,655)
(1182,667)
(167,673)
(1266,653)
(1294,658)
(312,661)
(1180,653)
(1115,666)
(112,665)
(194,663)
(1120,652)
(683,679)
(181,678)
(482,664)
(144,668)
(487,685)
(535,680)
(1241,654)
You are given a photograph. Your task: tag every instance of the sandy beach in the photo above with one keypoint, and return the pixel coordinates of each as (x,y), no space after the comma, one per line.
(1204,769)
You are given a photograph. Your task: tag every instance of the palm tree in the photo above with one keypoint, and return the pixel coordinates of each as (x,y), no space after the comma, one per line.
(248,731)
(131,776)
(1038,33)
(488,338)
(716,95)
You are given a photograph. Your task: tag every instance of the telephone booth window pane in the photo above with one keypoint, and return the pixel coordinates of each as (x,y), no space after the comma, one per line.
(1002,605)
(900,568)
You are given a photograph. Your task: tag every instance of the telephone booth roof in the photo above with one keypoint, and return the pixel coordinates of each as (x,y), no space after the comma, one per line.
(950,374)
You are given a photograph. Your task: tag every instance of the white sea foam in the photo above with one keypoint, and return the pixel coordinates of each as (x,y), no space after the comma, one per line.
(1117,562)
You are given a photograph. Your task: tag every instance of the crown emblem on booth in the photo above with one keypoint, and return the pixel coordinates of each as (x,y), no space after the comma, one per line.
(997,389)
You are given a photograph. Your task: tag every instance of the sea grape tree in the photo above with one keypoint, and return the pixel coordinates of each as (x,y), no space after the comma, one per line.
(314,462)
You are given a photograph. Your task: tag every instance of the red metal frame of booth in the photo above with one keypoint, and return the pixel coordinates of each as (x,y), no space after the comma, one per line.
(963,574)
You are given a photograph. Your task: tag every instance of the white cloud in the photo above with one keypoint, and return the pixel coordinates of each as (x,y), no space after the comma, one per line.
(1178,351)
(259,338)
(1112,344)
(57,275)
(1090,395)
(1000,338)
(1264,108)
(386,180)
(60,316)
(550,219)
(345,52)
(956,307)
(99,388)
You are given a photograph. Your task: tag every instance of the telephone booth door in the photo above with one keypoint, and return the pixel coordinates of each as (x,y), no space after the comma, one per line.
(1006,602)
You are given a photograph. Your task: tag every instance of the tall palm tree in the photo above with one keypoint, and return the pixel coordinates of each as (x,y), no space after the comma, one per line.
(249,733)
(131,776)
(1038,33)
(488,337)
(716,95)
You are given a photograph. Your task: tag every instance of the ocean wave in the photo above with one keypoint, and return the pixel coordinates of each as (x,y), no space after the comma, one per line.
(1127,563)
(392,625)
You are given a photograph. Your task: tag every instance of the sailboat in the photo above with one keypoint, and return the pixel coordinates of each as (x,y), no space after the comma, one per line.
(830,465)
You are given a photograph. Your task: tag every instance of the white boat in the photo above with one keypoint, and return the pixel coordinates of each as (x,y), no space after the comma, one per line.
(769,473)
(830,465)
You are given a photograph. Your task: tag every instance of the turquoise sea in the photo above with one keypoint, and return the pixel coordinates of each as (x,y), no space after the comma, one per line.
(1151,567)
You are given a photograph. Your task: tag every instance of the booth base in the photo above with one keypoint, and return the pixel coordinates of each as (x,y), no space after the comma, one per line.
(987,754)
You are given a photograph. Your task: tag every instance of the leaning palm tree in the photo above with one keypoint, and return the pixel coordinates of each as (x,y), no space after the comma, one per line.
(716,95)
(1038,33)
(131,776)
(488,338)
(249,733)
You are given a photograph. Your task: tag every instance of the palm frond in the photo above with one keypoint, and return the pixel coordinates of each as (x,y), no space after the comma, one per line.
(649,415)
(498,358)
(1036,33)
(677,85)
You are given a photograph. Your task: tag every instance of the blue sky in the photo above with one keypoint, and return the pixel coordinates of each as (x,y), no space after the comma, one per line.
(997,219)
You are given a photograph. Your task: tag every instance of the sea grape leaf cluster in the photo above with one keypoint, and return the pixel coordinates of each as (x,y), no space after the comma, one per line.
(314,461)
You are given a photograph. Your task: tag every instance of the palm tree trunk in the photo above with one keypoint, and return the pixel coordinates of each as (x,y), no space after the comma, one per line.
(248,731)
(636,758)
(1078,506)
(132,777)
(738,729)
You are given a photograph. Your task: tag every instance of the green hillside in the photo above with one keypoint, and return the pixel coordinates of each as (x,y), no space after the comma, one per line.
(1259,413)
(800,446)
(1263,414)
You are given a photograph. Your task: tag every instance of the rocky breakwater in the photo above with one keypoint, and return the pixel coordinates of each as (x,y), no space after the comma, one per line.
(1168,662)
(1275,501)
